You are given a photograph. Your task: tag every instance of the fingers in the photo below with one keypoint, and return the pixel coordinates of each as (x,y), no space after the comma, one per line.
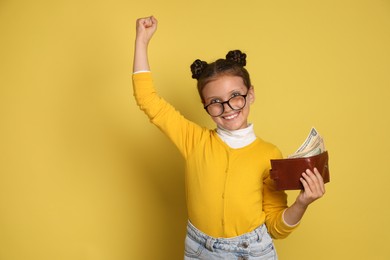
(147,22)
(153,20)
(313,184)
(314,180)
(320,180)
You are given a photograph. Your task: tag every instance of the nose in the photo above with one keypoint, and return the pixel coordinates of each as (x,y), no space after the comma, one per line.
(226,107)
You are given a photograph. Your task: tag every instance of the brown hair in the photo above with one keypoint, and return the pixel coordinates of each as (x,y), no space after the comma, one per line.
(233,65)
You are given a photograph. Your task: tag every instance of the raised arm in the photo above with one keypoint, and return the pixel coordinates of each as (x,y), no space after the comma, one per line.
(144,31)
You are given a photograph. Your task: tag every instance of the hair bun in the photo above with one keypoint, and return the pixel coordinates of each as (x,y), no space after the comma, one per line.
(197,67)
(237,57)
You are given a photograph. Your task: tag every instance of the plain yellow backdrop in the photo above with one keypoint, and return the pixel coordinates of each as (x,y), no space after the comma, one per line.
(84,175)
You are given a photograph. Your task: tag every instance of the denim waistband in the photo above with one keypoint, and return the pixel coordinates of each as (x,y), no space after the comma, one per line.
(212,243)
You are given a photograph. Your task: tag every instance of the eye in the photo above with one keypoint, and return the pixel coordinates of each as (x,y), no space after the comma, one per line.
(216,100)
(235,94)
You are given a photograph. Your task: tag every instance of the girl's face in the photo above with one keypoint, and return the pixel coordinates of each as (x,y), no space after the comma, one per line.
(222,89)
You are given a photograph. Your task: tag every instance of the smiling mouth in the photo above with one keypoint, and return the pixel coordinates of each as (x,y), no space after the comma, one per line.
(230,117)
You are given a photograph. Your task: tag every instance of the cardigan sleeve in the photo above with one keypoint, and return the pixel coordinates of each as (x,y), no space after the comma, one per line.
(182,132)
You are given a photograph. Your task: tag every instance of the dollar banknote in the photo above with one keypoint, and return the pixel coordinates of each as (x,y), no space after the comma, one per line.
(312,135)
(313,145)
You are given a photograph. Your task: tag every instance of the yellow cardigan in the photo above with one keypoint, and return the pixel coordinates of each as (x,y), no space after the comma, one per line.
(228,191)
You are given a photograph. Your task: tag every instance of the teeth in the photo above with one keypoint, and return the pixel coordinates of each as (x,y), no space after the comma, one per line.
(231,116)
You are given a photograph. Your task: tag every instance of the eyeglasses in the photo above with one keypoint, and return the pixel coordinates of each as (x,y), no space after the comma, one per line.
(236,102)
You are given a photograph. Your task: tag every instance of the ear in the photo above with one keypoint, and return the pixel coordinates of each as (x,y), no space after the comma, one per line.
(251,95)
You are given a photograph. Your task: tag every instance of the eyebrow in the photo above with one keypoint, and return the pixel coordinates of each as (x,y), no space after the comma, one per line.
(229,93)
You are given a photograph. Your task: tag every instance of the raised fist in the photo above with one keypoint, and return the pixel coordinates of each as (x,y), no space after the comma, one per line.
(146,28)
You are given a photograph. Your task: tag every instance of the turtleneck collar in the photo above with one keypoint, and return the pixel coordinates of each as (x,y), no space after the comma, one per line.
(237,138)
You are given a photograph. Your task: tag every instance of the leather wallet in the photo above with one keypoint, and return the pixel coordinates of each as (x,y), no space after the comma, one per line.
(287,172)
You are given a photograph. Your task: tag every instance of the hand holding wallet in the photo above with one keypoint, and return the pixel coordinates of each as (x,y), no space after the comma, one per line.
(312,154)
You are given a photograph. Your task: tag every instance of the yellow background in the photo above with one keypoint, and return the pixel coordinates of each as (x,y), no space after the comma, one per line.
(84,175)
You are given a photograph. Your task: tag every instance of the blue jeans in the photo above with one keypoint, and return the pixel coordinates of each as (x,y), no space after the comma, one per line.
(255,245)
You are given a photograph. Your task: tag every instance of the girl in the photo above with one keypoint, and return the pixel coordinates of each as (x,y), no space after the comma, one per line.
(233,207)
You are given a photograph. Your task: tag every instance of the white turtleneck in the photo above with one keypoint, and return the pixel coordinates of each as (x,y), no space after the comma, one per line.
(237,138)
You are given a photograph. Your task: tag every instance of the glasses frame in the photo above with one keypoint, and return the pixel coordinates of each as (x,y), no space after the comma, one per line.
(227,102)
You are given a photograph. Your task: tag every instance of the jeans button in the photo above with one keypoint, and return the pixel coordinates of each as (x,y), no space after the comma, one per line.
(245,244)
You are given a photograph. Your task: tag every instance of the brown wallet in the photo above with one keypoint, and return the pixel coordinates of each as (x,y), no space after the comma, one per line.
(287,172)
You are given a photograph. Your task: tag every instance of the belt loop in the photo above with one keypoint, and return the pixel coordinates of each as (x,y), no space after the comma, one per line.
(210,243)
(259,235)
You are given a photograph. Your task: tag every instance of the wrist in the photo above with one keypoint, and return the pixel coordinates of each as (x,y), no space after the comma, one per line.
(300,205)
(296,223)
(141,43)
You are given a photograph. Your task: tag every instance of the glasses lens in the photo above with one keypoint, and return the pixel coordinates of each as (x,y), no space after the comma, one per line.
(237,102)
(215,109)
